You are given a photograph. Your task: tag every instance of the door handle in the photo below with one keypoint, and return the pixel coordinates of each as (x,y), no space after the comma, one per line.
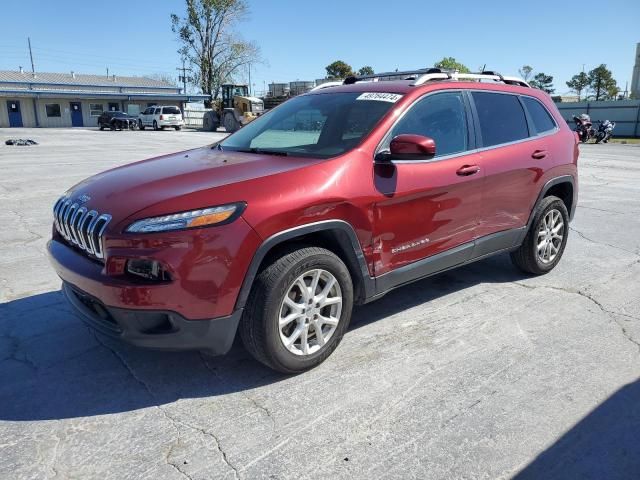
(467,170)
(538,154)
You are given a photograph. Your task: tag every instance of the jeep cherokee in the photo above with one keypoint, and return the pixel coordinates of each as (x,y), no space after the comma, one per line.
(328,201)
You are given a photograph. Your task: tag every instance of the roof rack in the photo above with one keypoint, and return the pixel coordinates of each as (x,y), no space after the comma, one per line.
(424,75)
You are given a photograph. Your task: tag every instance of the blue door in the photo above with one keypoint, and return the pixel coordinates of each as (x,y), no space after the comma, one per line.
(76,114)
(15,116)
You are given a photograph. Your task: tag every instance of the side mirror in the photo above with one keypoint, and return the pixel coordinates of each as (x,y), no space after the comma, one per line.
(412,147)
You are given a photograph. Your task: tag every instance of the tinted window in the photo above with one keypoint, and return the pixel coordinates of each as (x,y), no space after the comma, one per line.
(501,118)
(441,117)
(541,118)
(157,112)
(171,110)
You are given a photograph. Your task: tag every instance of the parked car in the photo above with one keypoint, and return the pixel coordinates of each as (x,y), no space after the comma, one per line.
(161,117)
(277,231)
(116,120)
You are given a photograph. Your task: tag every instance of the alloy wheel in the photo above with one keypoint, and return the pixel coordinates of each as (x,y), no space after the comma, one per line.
(310,312)
(550,235)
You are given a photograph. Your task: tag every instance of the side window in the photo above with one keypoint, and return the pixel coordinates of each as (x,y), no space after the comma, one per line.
(440,116)
(540,116)
(157,112)
(501,117)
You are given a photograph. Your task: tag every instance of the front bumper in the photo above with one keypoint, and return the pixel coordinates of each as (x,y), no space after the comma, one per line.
(162,330)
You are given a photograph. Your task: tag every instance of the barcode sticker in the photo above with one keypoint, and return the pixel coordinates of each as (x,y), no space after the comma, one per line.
(380,97)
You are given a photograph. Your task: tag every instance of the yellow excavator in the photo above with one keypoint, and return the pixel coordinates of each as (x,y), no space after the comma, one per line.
(237,108)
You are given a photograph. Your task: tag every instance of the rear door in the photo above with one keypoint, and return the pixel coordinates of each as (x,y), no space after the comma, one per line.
(428,207)
(507,157)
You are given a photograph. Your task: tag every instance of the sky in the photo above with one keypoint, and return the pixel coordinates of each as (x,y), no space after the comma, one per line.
(298,39)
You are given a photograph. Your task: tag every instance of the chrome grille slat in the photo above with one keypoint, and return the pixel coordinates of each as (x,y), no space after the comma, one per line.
(79,226)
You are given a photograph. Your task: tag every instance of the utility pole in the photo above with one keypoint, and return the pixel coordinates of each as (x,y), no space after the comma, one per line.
(183,77)
(249,78)
(33,68)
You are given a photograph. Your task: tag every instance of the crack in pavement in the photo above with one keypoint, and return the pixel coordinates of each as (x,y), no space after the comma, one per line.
(612,314)
(14,350)
(173,421)
(603,243)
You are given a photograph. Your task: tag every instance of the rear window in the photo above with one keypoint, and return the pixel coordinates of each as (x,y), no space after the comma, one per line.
(540,116)
(501,117)
(171,110)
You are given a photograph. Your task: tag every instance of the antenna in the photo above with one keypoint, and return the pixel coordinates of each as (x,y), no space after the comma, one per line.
(33,68)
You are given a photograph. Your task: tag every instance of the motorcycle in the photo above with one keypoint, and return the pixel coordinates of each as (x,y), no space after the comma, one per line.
(605,131)
(584,127)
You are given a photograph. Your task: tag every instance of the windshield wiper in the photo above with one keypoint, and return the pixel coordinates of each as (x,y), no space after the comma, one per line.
(262,151)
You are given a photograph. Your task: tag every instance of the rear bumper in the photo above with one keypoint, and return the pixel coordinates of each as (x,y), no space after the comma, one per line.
(162,330)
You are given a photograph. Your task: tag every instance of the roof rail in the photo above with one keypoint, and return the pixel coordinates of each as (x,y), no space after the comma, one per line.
(486,75)
(424,75)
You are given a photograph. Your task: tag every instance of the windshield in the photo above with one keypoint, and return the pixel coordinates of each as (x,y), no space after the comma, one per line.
(321,125)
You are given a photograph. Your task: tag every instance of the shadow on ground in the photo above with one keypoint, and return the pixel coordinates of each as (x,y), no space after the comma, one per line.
(52,366)
(603,445)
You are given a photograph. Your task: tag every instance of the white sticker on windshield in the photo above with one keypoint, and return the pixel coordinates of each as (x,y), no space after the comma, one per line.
(380,97)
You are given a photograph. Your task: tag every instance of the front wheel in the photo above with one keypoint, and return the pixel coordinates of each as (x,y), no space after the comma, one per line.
(546,239)
(298,310)
(140,125)
(155,125)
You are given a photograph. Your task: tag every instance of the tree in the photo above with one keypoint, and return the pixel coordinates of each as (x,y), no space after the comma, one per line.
(450,63)
(578,83)
(163,77)
(366,70)
(543,82)
(339,69)
(525,72)
(602,83)
(210,44)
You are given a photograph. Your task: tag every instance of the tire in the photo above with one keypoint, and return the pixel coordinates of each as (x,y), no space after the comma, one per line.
(140,125)
(230,123)
(101,127)
(178,128)
(162,127)
(260,325)
(155,125)
(528,257)
(112,126)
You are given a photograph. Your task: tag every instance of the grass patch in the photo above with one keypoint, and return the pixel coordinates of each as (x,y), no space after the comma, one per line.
(625,140)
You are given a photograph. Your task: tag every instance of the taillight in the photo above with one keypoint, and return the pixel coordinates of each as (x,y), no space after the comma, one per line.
(161,117)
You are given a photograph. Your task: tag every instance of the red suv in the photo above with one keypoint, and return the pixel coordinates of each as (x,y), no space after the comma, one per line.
(331,199)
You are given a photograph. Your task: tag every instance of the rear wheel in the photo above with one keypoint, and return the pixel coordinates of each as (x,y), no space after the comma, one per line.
(178,127)
(544,244)
(298,310)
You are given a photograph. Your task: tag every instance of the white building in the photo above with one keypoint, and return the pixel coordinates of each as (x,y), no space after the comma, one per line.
(77,100)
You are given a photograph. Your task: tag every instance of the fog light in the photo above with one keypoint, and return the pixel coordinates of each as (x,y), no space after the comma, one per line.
(149,269)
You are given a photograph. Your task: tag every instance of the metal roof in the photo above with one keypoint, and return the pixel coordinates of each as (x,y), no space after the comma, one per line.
(81,79)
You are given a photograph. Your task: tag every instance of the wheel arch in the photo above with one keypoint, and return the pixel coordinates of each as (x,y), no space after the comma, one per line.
(337,236)
(563,187)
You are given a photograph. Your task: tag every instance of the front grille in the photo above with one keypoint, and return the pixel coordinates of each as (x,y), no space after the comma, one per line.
(81,227)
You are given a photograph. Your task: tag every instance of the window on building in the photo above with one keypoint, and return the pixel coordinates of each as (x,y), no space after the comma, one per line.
(53,110)
(96,109)
(541,118)
(501,118)
(114,106)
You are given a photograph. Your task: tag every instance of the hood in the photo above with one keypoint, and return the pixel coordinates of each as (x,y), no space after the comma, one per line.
(179,182)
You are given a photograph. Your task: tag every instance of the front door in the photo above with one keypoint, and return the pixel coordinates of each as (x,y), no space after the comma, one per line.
(76,114)
(15,116)
(428,207)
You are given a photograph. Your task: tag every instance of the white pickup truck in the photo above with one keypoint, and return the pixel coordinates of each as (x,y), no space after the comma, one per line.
(161,117)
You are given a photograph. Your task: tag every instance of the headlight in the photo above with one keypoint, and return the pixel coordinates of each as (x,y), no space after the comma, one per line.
(195,218)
